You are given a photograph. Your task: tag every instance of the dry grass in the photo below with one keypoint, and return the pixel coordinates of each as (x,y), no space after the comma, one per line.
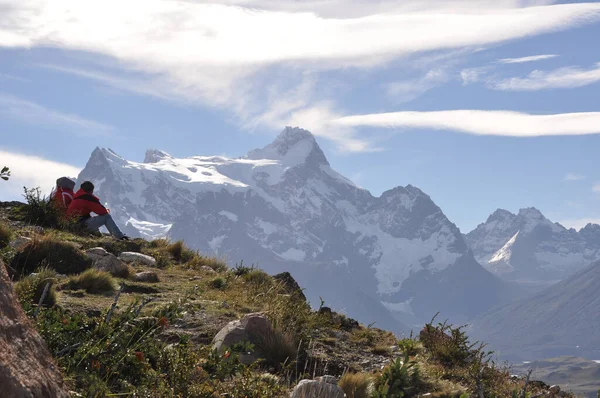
(356,385)
(5,235)
(29,289)
(258,277)
(61,256)
(382,350)
(212,262)
(93,282)
(278,347)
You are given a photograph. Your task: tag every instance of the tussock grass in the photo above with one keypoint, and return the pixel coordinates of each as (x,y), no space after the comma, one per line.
(93,282)
(61,256)
(180,252)
(278,347)
(5,235)
(382,350)
(218,283)
(356,385)
(258,277)
(212,262)
(29,289)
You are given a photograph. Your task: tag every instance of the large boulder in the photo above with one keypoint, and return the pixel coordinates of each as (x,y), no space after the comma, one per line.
(133,257)
(290,285)
(108,262)
(248,329)
(317,389)
(26,367)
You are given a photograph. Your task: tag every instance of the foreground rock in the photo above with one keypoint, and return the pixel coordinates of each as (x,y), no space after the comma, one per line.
(246,329)
(290,285)
(317,389)
(105,261)
(132,257)
(146,276)
(26,367)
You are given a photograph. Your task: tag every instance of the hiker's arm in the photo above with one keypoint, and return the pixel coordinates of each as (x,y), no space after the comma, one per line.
(98,208)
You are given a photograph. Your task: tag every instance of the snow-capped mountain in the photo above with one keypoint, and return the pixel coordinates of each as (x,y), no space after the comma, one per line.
(284,207)
(528,246)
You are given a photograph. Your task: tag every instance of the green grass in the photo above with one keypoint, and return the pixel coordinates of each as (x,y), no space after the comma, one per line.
(61,256)
(218,283)
(93,282)
(258,277)
(29,289)
(5,235)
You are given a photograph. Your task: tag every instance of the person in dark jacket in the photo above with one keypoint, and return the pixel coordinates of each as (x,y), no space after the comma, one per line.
(84,202)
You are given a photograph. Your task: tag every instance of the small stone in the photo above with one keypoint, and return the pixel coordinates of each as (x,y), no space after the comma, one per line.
(146,276)
(555,389)
(133,257)
(195,278)
(19,242)
(207,269)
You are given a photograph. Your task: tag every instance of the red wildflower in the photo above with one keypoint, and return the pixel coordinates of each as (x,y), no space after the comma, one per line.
(164,322)
(95,364)
(139,356)
(226,355)
(65,321)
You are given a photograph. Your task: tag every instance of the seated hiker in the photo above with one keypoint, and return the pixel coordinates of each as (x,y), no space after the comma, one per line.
(84,202)
(62,195)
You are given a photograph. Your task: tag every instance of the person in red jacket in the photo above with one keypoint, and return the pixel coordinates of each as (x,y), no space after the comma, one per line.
(63,193)
(84,202)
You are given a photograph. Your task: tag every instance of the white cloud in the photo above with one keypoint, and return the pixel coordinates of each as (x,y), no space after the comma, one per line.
(531,58)
(579,223)
(404,91)
(574,177)
(31,172)
(220,54)
(474,75)
(500,123)
(596,187)
(569,77)
(32,113)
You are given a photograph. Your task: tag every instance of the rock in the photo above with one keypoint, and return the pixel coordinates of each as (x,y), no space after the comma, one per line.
(316,389)
(325,311)
(207,269)
(19,242)
(146,276)
(245,329)
(327,379)
(554,389)
(105,261)
(26,368)
(132,257)
(194,278)
(290,285)
(563,394)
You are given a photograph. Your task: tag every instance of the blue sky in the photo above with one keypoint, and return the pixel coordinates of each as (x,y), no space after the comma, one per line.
(482,104)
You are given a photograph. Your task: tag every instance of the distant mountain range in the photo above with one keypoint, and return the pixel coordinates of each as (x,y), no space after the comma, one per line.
(528,247)
(381,259)
(563,319)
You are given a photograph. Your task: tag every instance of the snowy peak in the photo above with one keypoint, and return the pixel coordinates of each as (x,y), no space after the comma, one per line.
(155,156)
(292,147)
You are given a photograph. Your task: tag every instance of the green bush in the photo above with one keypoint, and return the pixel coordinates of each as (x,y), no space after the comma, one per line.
(93,281)
(218,283)
(356,385)
(409,345)
(40,210)
(447,344)
(258,277)
(241,270)
(63,257)
(399,379)
(29,289)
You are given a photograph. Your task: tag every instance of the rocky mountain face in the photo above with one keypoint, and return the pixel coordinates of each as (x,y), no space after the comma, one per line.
(560,320)
(529,247)
(284,208)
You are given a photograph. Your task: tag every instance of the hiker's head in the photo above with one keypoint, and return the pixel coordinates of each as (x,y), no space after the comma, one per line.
(87,186)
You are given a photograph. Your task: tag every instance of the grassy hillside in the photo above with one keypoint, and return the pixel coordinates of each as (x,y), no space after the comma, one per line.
(115,336)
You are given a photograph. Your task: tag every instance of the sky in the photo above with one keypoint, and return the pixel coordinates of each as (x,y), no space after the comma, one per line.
(483,104)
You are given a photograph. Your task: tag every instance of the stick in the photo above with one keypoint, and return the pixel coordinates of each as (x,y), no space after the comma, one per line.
(42,298)
(114,304)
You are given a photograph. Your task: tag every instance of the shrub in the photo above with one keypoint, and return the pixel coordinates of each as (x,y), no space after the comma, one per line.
(241,270)
(5,235)
(356,385)
(63,257)
(258,277)
(93,281)
(447,344)
(40,210)
(180,252)
(218,283)
(277,347)
(399,379)
(409,345)
(29,289)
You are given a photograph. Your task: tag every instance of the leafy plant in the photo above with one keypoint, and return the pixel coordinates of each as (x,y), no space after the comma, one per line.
(399,379)
(218,283)
(5,173)
(40,210)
